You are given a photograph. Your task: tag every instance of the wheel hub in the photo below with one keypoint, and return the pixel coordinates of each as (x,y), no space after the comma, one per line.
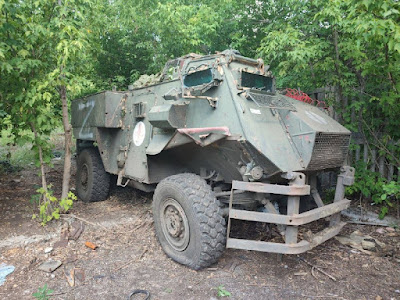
(175,224)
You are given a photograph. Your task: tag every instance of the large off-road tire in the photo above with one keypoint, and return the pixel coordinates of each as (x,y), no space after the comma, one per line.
(92,181)
(188,221)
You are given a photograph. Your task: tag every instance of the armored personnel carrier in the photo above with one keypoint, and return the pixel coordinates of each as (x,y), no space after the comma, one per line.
(215,142)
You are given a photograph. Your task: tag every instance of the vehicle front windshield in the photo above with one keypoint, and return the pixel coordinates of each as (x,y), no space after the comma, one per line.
(257,82)
(198,78)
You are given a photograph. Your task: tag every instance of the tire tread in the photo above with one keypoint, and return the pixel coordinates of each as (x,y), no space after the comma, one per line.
(208,214)
(101,179)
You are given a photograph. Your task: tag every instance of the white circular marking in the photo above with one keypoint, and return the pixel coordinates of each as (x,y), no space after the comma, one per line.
(316,118)
(139,133)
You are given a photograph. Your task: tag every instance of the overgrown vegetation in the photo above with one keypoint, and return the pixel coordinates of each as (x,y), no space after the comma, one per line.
(54,51)
(43,293)
(372,186)
(50,207)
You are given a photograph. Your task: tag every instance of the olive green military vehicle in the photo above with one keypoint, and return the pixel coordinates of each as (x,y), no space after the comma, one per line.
(215,142)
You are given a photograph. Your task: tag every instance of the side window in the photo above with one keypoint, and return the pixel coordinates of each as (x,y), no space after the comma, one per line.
(256,81)
(198,78)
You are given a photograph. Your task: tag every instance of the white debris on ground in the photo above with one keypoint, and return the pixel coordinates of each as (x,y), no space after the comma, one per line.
(4,271)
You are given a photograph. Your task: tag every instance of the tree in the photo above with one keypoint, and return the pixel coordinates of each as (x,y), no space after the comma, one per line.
(69,28)
(138,37)
(42,55)
(351,45)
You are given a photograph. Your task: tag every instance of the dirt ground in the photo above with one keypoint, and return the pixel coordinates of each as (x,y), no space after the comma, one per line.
(129,257)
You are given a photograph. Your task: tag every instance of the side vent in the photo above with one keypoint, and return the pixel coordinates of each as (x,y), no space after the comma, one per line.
(168,116)
(139,110)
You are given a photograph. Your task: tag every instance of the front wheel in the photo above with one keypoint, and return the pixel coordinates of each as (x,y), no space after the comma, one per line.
(92,181)
(188,221)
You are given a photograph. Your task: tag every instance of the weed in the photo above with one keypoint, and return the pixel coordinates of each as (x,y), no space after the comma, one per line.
(391,191)
(222,292)
(50,207)
(43,293)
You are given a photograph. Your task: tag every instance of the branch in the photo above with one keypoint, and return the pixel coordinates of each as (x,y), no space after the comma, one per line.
(84,220)
(318,269)
(382,146)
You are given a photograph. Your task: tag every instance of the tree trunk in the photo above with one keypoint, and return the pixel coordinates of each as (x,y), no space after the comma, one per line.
(67,139)
(390,75)
(42,170)
(361,96)
(339,89)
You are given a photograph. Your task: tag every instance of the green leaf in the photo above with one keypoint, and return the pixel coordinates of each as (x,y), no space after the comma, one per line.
(384,211)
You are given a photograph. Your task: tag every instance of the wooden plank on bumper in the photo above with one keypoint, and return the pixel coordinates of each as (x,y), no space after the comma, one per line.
(293,220)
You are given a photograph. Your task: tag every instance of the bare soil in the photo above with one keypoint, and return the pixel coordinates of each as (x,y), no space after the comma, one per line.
(129,257)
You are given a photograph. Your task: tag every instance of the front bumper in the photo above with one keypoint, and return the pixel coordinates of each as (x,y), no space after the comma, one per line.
(293,219)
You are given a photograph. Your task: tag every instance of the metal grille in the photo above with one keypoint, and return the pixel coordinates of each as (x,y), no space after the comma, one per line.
(139,110)
(330,151)
(278,102)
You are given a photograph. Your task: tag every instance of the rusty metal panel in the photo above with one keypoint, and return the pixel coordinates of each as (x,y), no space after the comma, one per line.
(258,187)
(319,213)
(294,220)
(296,248)
(326,234)
(259,216)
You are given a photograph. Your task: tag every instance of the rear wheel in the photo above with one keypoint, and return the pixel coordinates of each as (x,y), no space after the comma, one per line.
(92,181)
(188,221)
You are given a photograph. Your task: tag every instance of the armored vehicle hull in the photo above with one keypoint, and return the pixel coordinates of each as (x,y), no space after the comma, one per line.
(216,123)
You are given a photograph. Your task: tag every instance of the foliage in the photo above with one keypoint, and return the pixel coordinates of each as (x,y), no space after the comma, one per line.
(44,293)
(351,46)
(368,183)
(39,41)
(222,292)
(50,207)
(43,50)
(25,100)
(138,37)
(372,186)
(391,191)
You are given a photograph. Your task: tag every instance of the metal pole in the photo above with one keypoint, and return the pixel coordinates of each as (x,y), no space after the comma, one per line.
(345,178)
(293,208)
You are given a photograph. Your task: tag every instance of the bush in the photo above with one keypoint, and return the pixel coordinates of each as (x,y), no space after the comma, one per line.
(372,186)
